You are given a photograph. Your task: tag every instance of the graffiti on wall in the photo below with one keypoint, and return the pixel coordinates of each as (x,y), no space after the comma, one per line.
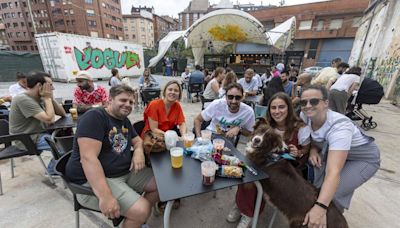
(384,69)
(96,58)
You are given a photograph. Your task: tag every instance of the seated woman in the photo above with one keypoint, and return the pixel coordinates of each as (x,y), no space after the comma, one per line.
(343,156)
(282,119)
(229,79)
(147,80)
(212,88)
(165,114)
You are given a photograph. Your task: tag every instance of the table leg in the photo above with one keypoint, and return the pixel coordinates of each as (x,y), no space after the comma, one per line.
(167,213)
(258,204)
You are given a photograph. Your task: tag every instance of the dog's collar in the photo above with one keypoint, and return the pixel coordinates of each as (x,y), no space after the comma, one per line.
(275,157)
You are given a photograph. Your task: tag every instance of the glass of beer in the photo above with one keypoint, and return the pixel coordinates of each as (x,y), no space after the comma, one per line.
(206,134)
(176,157)
(188,139)
(219,145)
(208,169)
(74,113)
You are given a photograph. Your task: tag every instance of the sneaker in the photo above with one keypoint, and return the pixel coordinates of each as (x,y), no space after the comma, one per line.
(245,222)
(234,215)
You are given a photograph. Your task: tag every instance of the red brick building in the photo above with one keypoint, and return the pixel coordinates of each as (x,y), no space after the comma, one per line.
(97,18)
(325,30)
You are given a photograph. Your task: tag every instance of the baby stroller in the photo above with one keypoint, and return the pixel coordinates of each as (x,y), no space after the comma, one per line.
(370,92)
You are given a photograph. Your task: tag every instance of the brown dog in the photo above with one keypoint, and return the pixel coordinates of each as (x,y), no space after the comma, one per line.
(286,188)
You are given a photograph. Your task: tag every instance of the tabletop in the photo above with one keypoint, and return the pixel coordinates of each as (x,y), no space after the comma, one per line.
(187,181)
(63,122)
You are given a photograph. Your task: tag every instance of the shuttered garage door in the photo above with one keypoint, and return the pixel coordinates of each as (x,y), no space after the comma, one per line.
(334,48)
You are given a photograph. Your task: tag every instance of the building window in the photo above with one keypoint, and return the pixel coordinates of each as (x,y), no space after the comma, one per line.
(90,13)
(126,36)
(336,24)
(312,51)
(133,36)
(356,22)
(89,1)
(320,25)
(71,11)
(142,28)
(15,25)
(92,23)
(305,25)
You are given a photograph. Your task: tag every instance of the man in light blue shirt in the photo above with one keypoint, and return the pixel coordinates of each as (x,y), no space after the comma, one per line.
(250,86)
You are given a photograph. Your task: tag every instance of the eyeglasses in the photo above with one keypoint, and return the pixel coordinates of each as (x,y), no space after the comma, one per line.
(313,102)
(231,97)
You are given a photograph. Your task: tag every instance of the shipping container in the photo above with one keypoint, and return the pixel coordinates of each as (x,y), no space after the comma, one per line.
(63,55)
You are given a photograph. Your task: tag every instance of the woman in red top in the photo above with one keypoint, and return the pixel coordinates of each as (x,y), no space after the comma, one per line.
(165,114)
(283,120)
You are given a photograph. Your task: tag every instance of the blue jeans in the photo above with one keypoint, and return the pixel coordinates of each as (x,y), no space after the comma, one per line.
(43,145)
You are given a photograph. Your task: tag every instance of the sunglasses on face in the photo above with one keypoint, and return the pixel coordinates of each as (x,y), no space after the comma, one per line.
(231,97)
(313,102)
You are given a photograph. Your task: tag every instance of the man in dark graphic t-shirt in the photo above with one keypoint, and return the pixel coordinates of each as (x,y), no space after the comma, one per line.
(102,159)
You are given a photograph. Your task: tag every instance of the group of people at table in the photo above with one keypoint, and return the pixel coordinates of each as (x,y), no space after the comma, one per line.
(342,156)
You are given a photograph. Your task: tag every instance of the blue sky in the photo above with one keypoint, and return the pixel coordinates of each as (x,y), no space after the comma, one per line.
(173,7)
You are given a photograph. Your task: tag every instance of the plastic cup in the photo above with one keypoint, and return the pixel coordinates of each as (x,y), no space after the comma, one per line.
(176,157)
(219,145)
(208,169)
(74,113)
(188,139)
(206,134)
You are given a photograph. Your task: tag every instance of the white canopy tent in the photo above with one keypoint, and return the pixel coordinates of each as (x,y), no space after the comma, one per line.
(223,27)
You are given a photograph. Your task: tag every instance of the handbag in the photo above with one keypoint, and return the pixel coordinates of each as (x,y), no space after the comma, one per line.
(153,142)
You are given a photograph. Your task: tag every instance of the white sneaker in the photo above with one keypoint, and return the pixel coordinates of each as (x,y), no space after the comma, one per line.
(234,215)
(245,222)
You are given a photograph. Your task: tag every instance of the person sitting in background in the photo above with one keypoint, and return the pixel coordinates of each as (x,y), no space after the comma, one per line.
(185,78)
(294,73)
(165,114)
(102,159)
(87,94)
(5,99)
(343,89)
(32,110)
(20,86)
(287,85)
(250,86)
(229,79)
(212,88)
(303,81)
(229,116)
(282,119)
(266,77)
(196,77)
(115,78)
(147,80)
(274,86)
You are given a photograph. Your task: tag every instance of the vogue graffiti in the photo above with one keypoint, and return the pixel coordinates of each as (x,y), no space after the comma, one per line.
(96,58)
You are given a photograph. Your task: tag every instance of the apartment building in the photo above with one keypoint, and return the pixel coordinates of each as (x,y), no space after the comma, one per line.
(97,18)
(138,28)
(325,30)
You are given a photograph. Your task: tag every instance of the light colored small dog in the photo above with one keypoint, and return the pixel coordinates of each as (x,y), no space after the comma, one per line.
(286,188)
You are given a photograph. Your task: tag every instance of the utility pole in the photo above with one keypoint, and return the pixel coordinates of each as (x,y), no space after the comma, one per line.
(31,14)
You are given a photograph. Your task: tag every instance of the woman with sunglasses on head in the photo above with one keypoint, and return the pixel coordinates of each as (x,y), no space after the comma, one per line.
(342,155)
(282,120)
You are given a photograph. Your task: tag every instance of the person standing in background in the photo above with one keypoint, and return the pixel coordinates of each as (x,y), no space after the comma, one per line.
(20,86)
(115,78)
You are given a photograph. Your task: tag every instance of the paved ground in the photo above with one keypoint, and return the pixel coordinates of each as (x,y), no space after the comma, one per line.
(29,201)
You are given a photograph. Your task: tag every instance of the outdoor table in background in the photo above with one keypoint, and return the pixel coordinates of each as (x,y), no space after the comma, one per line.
(63,122)
(179,183)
